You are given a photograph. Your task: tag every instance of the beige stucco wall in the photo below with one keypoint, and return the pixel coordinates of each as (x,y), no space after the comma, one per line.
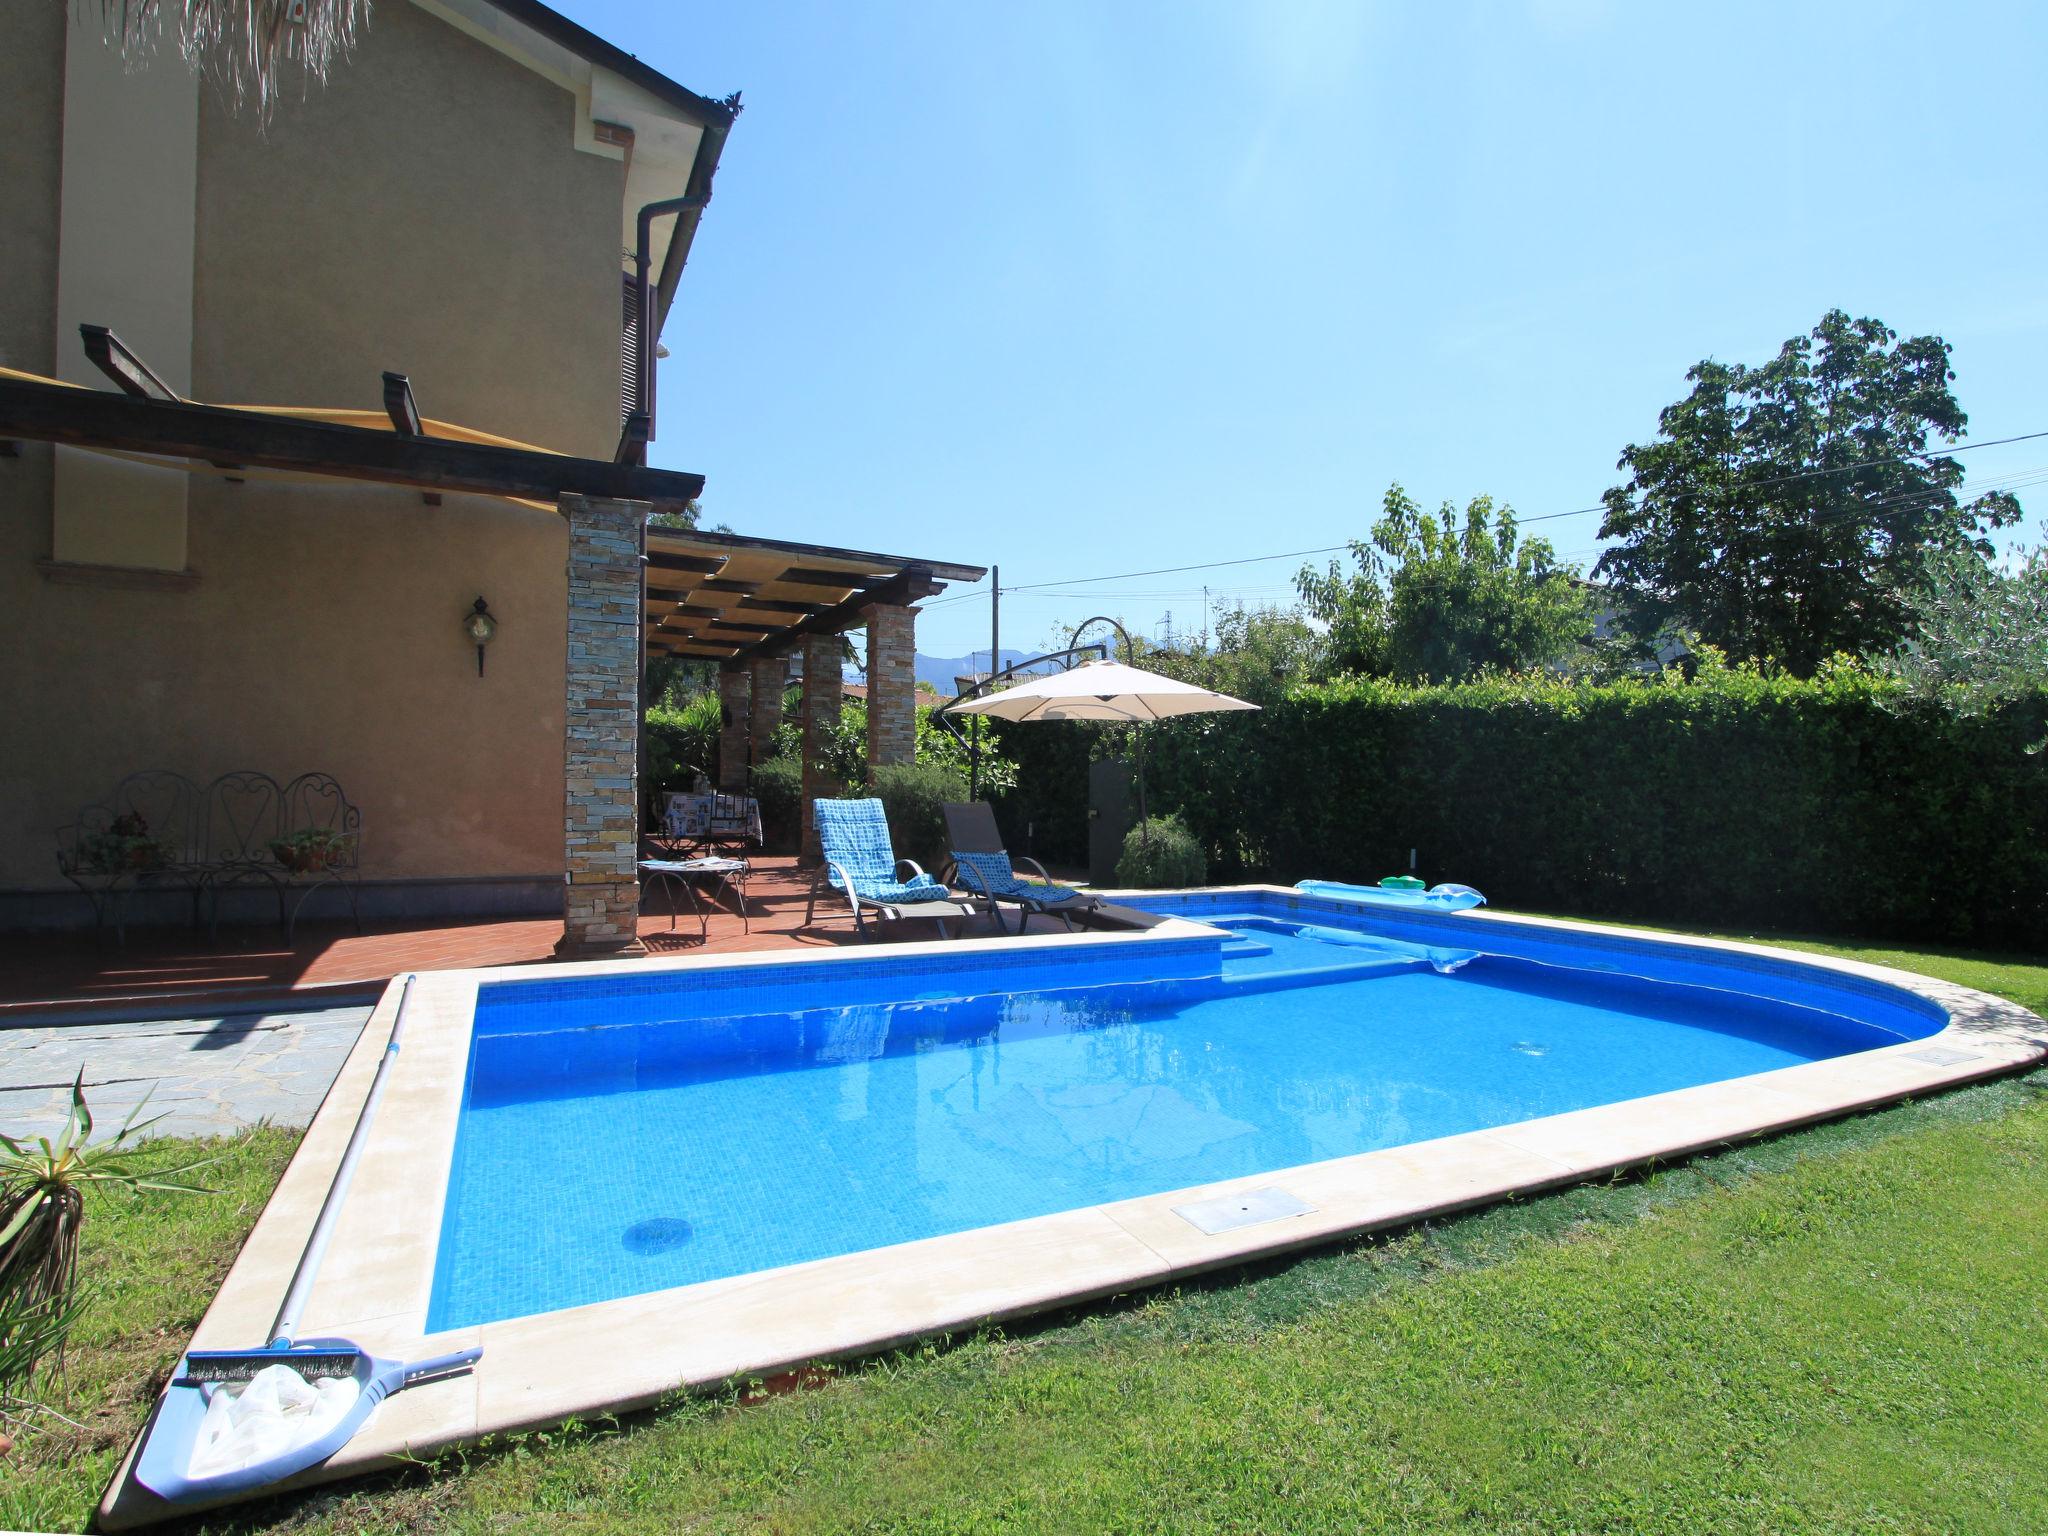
(426,212)
(125,240)
(32,86)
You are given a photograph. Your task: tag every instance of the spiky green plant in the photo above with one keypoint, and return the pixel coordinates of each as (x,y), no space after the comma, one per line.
(245,45)
(30,1332)
(43,1185)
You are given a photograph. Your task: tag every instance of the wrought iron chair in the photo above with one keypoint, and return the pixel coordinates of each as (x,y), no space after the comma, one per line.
(319,844)
(148,833)
(244,817)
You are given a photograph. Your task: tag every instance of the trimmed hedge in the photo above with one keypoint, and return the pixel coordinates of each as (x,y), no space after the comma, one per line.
(1832,805)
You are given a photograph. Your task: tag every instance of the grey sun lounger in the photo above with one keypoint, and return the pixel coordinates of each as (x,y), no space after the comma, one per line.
(984,871)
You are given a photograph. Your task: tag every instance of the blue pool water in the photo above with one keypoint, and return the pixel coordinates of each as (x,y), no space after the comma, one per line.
(625,1136)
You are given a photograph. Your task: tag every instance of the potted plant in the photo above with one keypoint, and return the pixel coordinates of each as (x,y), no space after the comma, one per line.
(125,847)
(311,850)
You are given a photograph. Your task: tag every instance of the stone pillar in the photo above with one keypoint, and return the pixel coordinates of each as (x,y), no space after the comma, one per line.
(770,678)
(822,694)
(892,684)
(733,699)
(601,729)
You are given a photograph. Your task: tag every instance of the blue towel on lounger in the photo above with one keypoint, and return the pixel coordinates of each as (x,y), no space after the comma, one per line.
(854,836)
(991,874)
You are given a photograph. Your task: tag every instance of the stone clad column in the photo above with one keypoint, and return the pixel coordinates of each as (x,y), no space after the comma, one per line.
(823,690)
(892,684)
(734,694)
(601,729)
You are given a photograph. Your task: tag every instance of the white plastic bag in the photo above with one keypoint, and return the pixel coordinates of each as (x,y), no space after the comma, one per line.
(276,1411)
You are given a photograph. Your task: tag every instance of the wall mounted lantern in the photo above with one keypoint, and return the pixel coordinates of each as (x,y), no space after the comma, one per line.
(480,627)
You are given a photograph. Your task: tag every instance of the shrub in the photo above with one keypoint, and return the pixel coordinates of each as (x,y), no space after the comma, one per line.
(779,786)
(682,743)
(948,746)
(914,796)
(1161,854)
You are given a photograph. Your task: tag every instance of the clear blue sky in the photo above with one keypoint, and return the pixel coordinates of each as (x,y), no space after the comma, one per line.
(1088,288)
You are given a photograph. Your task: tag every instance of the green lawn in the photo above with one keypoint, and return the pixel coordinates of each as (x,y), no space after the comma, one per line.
(1844,1329)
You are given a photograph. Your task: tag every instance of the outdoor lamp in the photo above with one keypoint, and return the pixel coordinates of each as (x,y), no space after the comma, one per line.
(479,626)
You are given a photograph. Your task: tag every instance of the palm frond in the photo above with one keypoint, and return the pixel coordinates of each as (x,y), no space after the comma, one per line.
(248,46)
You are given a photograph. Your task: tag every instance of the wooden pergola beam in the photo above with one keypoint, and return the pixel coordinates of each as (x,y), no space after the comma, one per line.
(89,418)
(900,591)
(687,537)
(400,406)
(695,565)
(695,652)
(778,605)
(113,357)
(815,576)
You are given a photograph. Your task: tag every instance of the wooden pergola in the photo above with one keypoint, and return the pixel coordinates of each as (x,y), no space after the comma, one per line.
(146,418)
(742,602)
(731,599)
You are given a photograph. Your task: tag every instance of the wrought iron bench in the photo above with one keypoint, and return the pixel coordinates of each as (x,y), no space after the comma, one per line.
(160,830)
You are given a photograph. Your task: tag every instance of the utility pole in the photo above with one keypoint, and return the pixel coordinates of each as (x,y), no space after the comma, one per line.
(995,665)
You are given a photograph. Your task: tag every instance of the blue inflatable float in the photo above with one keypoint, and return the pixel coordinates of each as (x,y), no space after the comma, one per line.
(1438,898)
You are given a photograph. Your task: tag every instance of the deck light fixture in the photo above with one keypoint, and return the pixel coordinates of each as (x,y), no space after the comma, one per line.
(480,627)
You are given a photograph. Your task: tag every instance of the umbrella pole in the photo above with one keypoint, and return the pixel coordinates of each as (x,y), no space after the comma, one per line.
(1144,820)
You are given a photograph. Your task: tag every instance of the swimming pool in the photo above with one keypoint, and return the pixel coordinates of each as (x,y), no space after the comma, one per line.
(911,1083)
(692,1133)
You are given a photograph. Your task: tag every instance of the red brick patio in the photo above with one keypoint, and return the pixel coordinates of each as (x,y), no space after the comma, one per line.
(175,967)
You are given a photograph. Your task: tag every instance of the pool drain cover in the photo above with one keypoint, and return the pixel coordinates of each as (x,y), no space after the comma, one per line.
(1942,1056)
(1230,1212)
(658,1234)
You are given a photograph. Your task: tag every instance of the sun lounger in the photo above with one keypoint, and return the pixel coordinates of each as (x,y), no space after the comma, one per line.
(984,871)
(861,865)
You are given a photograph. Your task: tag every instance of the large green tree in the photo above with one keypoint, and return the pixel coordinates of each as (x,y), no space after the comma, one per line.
(1784,512)
(1257,654)
(1435,599)
(1980,631)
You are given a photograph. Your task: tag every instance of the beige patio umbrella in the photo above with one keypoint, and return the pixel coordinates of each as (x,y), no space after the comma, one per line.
(1104,690)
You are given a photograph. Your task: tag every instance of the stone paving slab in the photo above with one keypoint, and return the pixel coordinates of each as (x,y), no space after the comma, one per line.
(205,1076)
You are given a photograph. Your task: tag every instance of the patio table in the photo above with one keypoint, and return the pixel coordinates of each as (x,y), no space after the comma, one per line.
(727,874)
(707,821)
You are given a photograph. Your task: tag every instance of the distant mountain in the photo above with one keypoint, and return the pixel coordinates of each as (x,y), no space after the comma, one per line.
(940,671)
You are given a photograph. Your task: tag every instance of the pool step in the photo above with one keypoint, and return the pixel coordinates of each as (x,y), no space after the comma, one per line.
(1319,975)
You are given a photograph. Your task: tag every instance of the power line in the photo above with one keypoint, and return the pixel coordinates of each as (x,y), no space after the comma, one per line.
(1808,474)
(1175,570)
(1544,517)
(2012,480)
